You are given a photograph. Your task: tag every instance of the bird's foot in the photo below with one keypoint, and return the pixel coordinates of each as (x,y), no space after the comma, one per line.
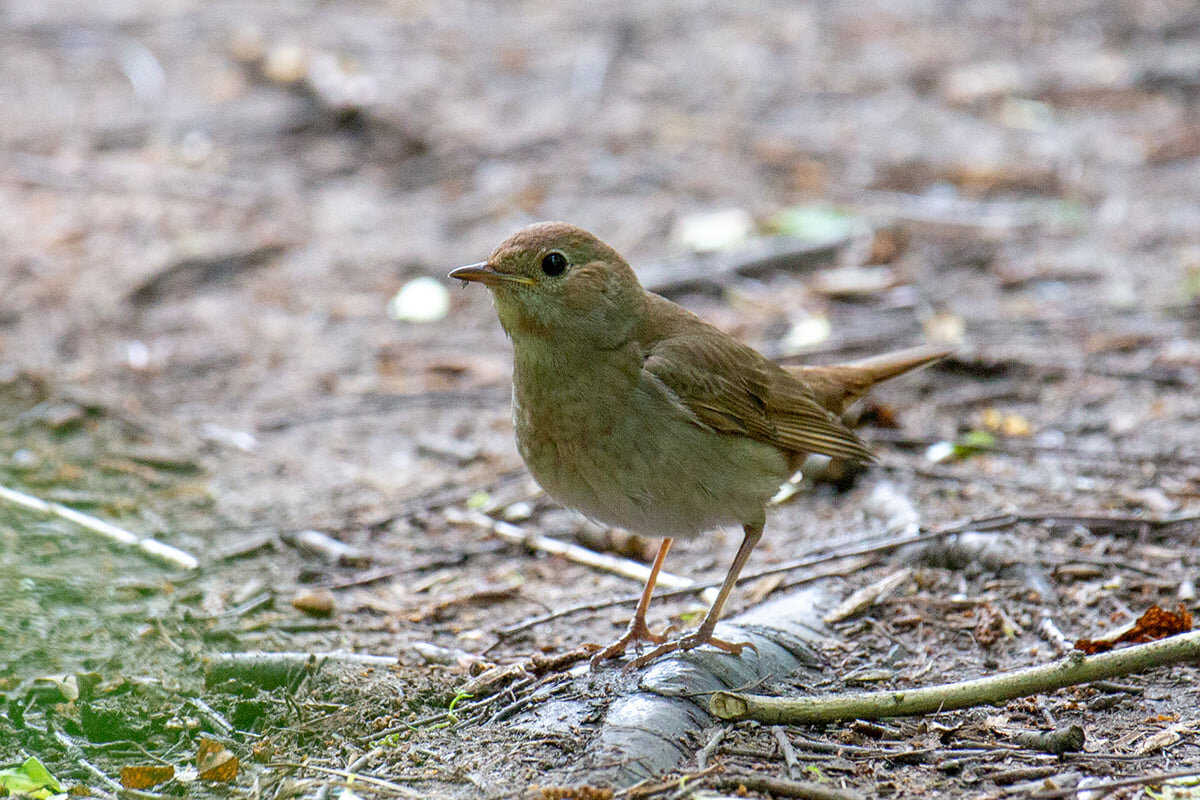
(635,634)
(689,642)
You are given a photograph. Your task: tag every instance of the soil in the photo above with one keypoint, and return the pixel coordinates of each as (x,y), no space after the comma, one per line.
(206,208)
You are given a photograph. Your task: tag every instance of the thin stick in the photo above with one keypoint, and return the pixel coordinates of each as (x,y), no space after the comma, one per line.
(148,545)
(351,777)
(1072,670)
(257,658)
(706,752)
(573,552)
(786,749)
(783,787)
(1116,783)
(1017,447)
(989,522)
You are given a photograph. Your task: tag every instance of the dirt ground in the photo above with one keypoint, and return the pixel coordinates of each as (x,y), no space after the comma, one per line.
(206,207)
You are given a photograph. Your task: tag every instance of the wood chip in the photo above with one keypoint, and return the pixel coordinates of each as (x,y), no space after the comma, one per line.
(868,596)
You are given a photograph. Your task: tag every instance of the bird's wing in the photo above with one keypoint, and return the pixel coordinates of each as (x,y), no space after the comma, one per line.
(728,387)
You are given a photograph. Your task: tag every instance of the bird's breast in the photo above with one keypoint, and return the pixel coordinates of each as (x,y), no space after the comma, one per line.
(605,440)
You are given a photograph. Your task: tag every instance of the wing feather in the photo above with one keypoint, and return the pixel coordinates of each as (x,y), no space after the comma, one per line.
(729,387)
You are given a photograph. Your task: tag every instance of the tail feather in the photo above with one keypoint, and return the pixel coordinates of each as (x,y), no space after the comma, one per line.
(837,386)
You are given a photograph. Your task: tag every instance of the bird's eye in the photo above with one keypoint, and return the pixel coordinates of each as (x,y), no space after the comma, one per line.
(554,263)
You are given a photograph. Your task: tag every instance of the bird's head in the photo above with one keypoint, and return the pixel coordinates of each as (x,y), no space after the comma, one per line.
(557,281)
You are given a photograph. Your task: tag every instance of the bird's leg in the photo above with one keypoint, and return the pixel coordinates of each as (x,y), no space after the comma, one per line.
(704,634)
(637,630)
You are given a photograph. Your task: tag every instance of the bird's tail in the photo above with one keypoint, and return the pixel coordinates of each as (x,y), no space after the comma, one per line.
(837,386)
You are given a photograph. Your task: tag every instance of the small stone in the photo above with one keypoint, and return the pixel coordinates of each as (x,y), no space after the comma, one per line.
(423,299)
(715,230)
(315,602)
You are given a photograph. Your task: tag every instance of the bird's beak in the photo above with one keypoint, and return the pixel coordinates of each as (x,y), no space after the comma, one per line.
(484,273)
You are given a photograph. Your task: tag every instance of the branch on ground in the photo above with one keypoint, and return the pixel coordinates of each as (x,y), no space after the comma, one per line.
(1071,670)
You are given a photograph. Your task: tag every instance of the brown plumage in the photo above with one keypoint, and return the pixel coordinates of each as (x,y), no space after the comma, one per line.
(640,414)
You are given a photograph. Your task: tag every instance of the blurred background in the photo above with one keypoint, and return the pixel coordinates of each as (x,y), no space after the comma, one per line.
(206,206)
(215,219)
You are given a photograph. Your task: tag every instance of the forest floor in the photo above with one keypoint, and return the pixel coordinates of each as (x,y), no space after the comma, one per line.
(205,209)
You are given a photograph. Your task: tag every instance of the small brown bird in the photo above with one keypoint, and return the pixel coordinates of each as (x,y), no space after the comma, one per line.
(641,415)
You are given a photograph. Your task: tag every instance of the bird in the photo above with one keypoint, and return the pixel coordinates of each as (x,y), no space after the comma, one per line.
(639,414)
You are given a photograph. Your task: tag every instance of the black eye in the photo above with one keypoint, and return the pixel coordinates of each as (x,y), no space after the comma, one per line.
(554,263)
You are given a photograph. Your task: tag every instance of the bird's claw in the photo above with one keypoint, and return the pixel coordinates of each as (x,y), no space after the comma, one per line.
(689,642)
(635,634)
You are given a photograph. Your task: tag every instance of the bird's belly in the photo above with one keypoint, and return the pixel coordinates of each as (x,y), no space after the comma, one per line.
(652,472)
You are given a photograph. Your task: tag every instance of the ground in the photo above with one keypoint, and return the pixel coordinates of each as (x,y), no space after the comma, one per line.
(207,206)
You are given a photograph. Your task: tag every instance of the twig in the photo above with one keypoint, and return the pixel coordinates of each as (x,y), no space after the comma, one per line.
(676,784)
(580,555)
(781,787)
(327,548)
(549,689)
(1051,632)
(1004,777)
(294,659)
(149,546)
(1068,739)
(1110,522)
(1069,671)
(351,777)
(706,752)
(785,748)
(1112,687)
(448,494)
(989,523)
(1102,787)
(364,759)
(1017,447)
(76,752)
(216,720)
(383,573)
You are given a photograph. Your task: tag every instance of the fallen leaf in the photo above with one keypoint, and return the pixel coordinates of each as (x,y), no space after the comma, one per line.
(215,763)
(31,779)
(1156,623)
(1163,739)
(146,777)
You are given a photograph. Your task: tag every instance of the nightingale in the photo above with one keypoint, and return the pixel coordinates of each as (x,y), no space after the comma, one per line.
(636,412)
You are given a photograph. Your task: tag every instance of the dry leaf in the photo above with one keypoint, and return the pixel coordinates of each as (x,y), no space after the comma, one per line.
(1156,623)
(1163,739)
(146,777)
(215,763)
